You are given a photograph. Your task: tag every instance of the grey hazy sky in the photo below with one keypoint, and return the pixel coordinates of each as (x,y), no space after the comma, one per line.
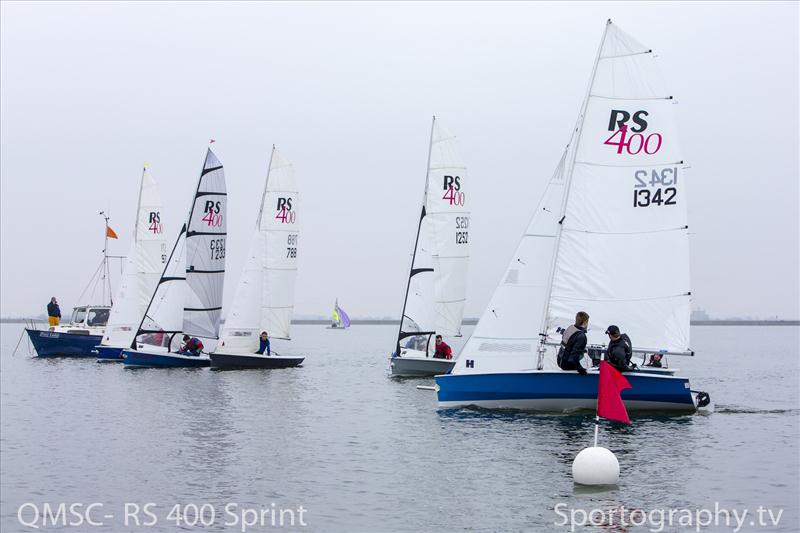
(346,90)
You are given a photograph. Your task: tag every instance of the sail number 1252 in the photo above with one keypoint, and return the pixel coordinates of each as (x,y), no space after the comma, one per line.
(462,235)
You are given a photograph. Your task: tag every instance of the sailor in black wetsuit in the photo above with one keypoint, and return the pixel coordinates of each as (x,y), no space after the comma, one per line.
(619,350)
(573,344)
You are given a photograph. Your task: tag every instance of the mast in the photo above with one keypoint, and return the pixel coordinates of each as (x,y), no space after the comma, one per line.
(264,194)
(567,184)
(105,277)
(139,205)
(416,239)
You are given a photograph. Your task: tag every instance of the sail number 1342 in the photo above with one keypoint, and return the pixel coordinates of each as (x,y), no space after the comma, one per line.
(655,187)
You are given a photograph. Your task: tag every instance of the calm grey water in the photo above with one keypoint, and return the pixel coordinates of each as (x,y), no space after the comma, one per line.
(361,451)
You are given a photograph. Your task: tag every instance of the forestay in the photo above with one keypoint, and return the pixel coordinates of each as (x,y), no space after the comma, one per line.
(264,298)
(143,265)
(437,279)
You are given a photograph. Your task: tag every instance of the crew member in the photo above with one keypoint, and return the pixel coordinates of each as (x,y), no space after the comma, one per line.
(573,344)
(263,343)
(443,351)
(619,349)
(192,346)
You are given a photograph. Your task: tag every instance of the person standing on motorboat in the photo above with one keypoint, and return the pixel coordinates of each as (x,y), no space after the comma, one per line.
(263,344)
(573,344)
(192,346)
(53,312)
(620,349)
(443,351)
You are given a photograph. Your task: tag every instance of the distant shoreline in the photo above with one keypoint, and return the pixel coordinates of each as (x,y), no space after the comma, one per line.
(473,321)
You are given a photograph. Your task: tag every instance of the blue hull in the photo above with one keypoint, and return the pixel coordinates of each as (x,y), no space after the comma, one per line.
(132,358)
(56,344)
(108,353)
(554,391)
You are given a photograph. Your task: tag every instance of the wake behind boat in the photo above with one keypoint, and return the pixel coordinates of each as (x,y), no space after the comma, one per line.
(143,265)
(615,207)
(263,304)
(188,297)
(436,286)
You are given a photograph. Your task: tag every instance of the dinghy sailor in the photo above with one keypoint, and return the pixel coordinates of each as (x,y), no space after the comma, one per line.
(573,344)
(443,351)
(620,349)
(192,346)
(263,344)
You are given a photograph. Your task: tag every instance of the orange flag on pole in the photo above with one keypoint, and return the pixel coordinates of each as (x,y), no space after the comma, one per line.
(110,233)
(609,401)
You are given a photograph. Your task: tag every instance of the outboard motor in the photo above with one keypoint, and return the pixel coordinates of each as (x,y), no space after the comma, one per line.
(703,399)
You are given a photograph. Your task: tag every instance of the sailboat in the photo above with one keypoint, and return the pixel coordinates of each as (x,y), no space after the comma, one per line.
(609,237)
(143,266)
(436,285)
(264,298)
(188,296)
(339,319)
(87,325)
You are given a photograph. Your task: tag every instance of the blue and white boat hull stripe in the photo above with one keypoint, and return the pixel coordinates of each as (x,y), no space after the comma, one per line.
(557,391)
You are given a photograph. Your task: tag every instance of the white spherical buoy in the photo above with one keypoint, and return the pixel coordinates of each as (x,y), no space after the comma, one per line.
(595,466)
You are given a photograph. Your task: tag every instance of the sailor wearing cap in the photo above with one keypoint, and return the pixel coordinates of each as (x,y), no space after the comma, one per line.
(620,349)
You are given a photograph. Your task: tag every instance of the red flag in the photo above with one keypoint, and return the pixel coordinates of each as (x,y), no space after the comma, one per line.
(212,141)
(110,233)
(609,401)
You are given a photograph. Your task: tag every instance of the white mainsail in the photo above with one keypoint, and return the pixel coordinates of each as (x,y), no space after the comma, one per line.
(188,296)
(610,236)
(143,265)
(264,298)
(205,252)
(437,279)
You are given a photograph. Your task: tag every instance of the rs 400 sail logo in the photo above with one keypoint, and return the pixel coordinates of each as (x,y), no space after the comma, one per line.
(213,216)
(285,213)
(635,141)
(453,193)
(154,223)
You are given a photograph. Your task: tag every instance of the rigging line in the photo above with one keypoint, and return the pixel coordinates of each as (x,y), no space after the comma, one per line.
(574,230)
(568,172)
(587,163)
(634,98)
(416,239)
(538,235)
(627,55)
(643,299)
